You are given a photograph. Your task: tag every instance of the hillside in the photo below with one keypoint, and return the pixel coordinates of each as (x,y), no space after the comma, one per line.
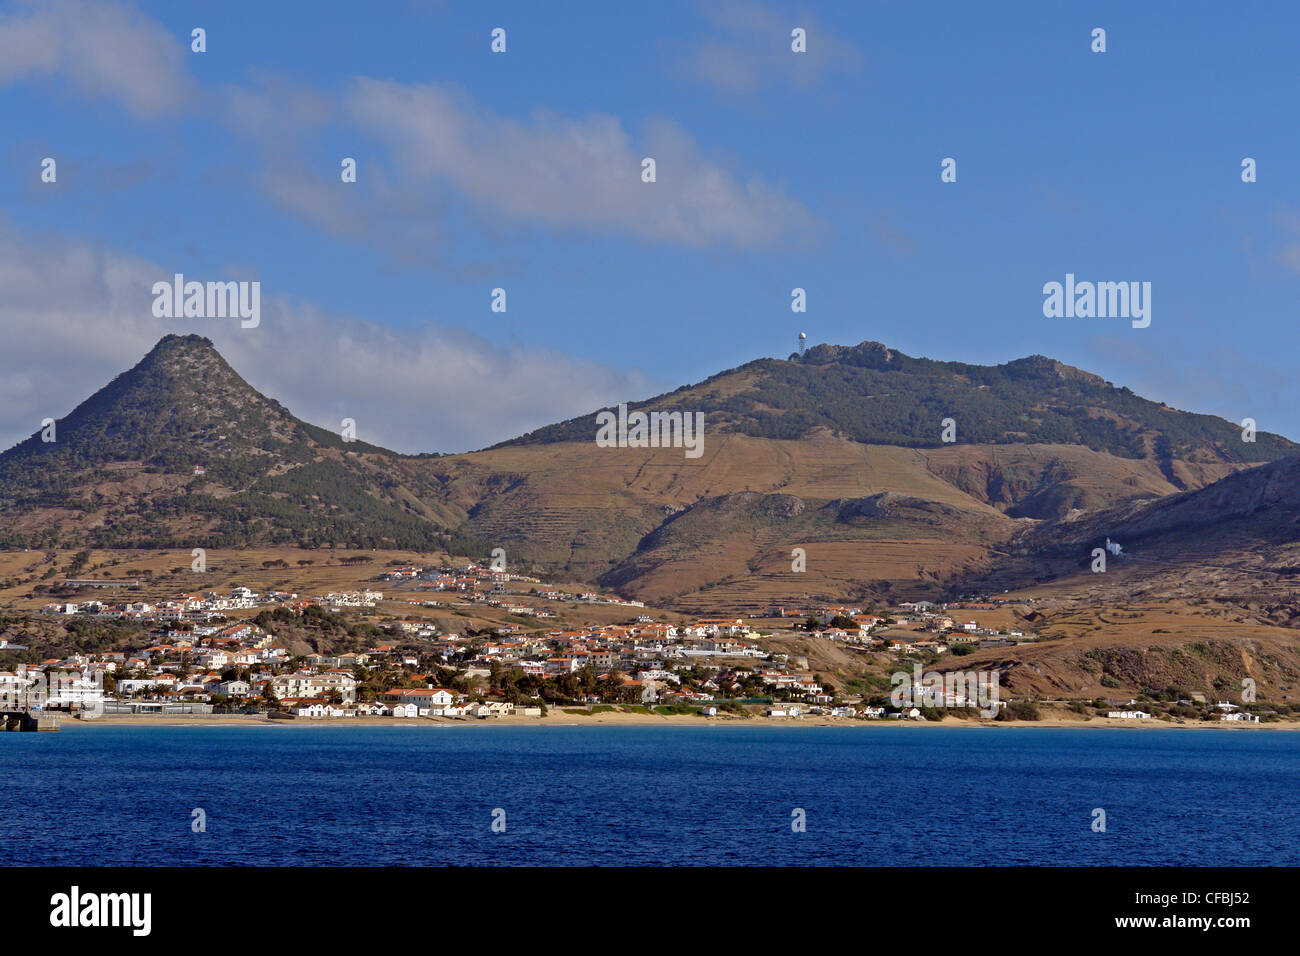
(1037,441)
(1235,542)
(874,395)
(180,451)
(836,452)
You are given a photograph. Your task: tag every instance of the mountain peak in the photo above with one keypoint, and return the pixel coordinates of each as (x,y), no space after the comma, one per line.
(863,355)
(179,406)
(189,340)
(179,448)
(1041,365)
(191,352)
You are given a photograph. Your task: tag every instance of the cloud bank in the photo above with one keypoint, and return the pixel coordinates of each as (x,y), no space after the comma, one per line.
(73,315)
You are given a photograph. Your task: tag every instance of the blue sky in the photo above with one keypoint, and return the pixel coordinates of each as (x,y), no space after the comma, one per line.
(521,170)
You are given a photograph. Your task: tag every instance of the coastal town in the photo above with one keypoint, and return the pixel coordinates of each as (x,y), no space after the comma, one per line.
(208,653)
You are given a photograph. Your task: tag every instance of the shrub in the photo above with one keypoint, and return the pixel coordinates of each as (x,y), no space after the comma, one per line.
(1020,710)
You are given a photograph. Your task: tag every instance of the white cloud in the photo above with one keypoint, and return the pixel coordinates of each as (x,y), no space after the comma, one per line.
(73,315)
(445,162)
(754,51)
(565,173)
(445,152)
(103,49)
(432,389)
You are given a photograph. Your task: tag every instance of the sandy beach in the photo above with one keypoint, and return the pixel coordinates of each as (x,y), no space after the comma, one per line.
(559,718)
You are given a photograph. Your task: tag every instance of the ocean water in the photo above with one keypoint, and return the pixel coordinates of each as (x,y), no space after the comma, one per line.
(426,795)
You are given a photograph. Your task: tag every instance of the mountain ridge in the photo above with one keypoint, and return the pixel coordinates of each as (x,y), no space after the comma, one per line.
(181,451)
(856,392)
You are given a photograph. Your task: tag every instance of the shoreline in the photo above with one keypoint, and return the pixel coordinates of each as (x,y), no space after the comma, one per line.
(645,720)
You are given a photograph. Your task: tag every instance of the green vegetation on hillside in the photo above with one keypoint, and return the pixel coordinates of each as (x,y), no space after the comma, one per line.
(875,395)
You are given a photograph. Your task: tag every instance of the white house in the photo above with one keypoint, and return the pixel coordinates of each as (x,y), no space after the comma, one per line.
(320,710)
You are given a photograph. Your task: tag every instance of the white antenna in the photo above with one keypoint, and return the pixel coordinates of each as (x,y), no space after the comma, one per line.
(803,338)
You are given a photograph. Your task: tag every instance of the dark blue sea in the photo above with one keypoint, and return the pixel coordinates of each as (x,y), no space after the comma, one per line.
(426,795)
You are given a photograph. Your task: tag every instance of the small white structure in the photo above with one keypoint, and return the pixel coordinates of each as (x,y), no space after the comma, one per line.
(1129,714)
(320,710)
